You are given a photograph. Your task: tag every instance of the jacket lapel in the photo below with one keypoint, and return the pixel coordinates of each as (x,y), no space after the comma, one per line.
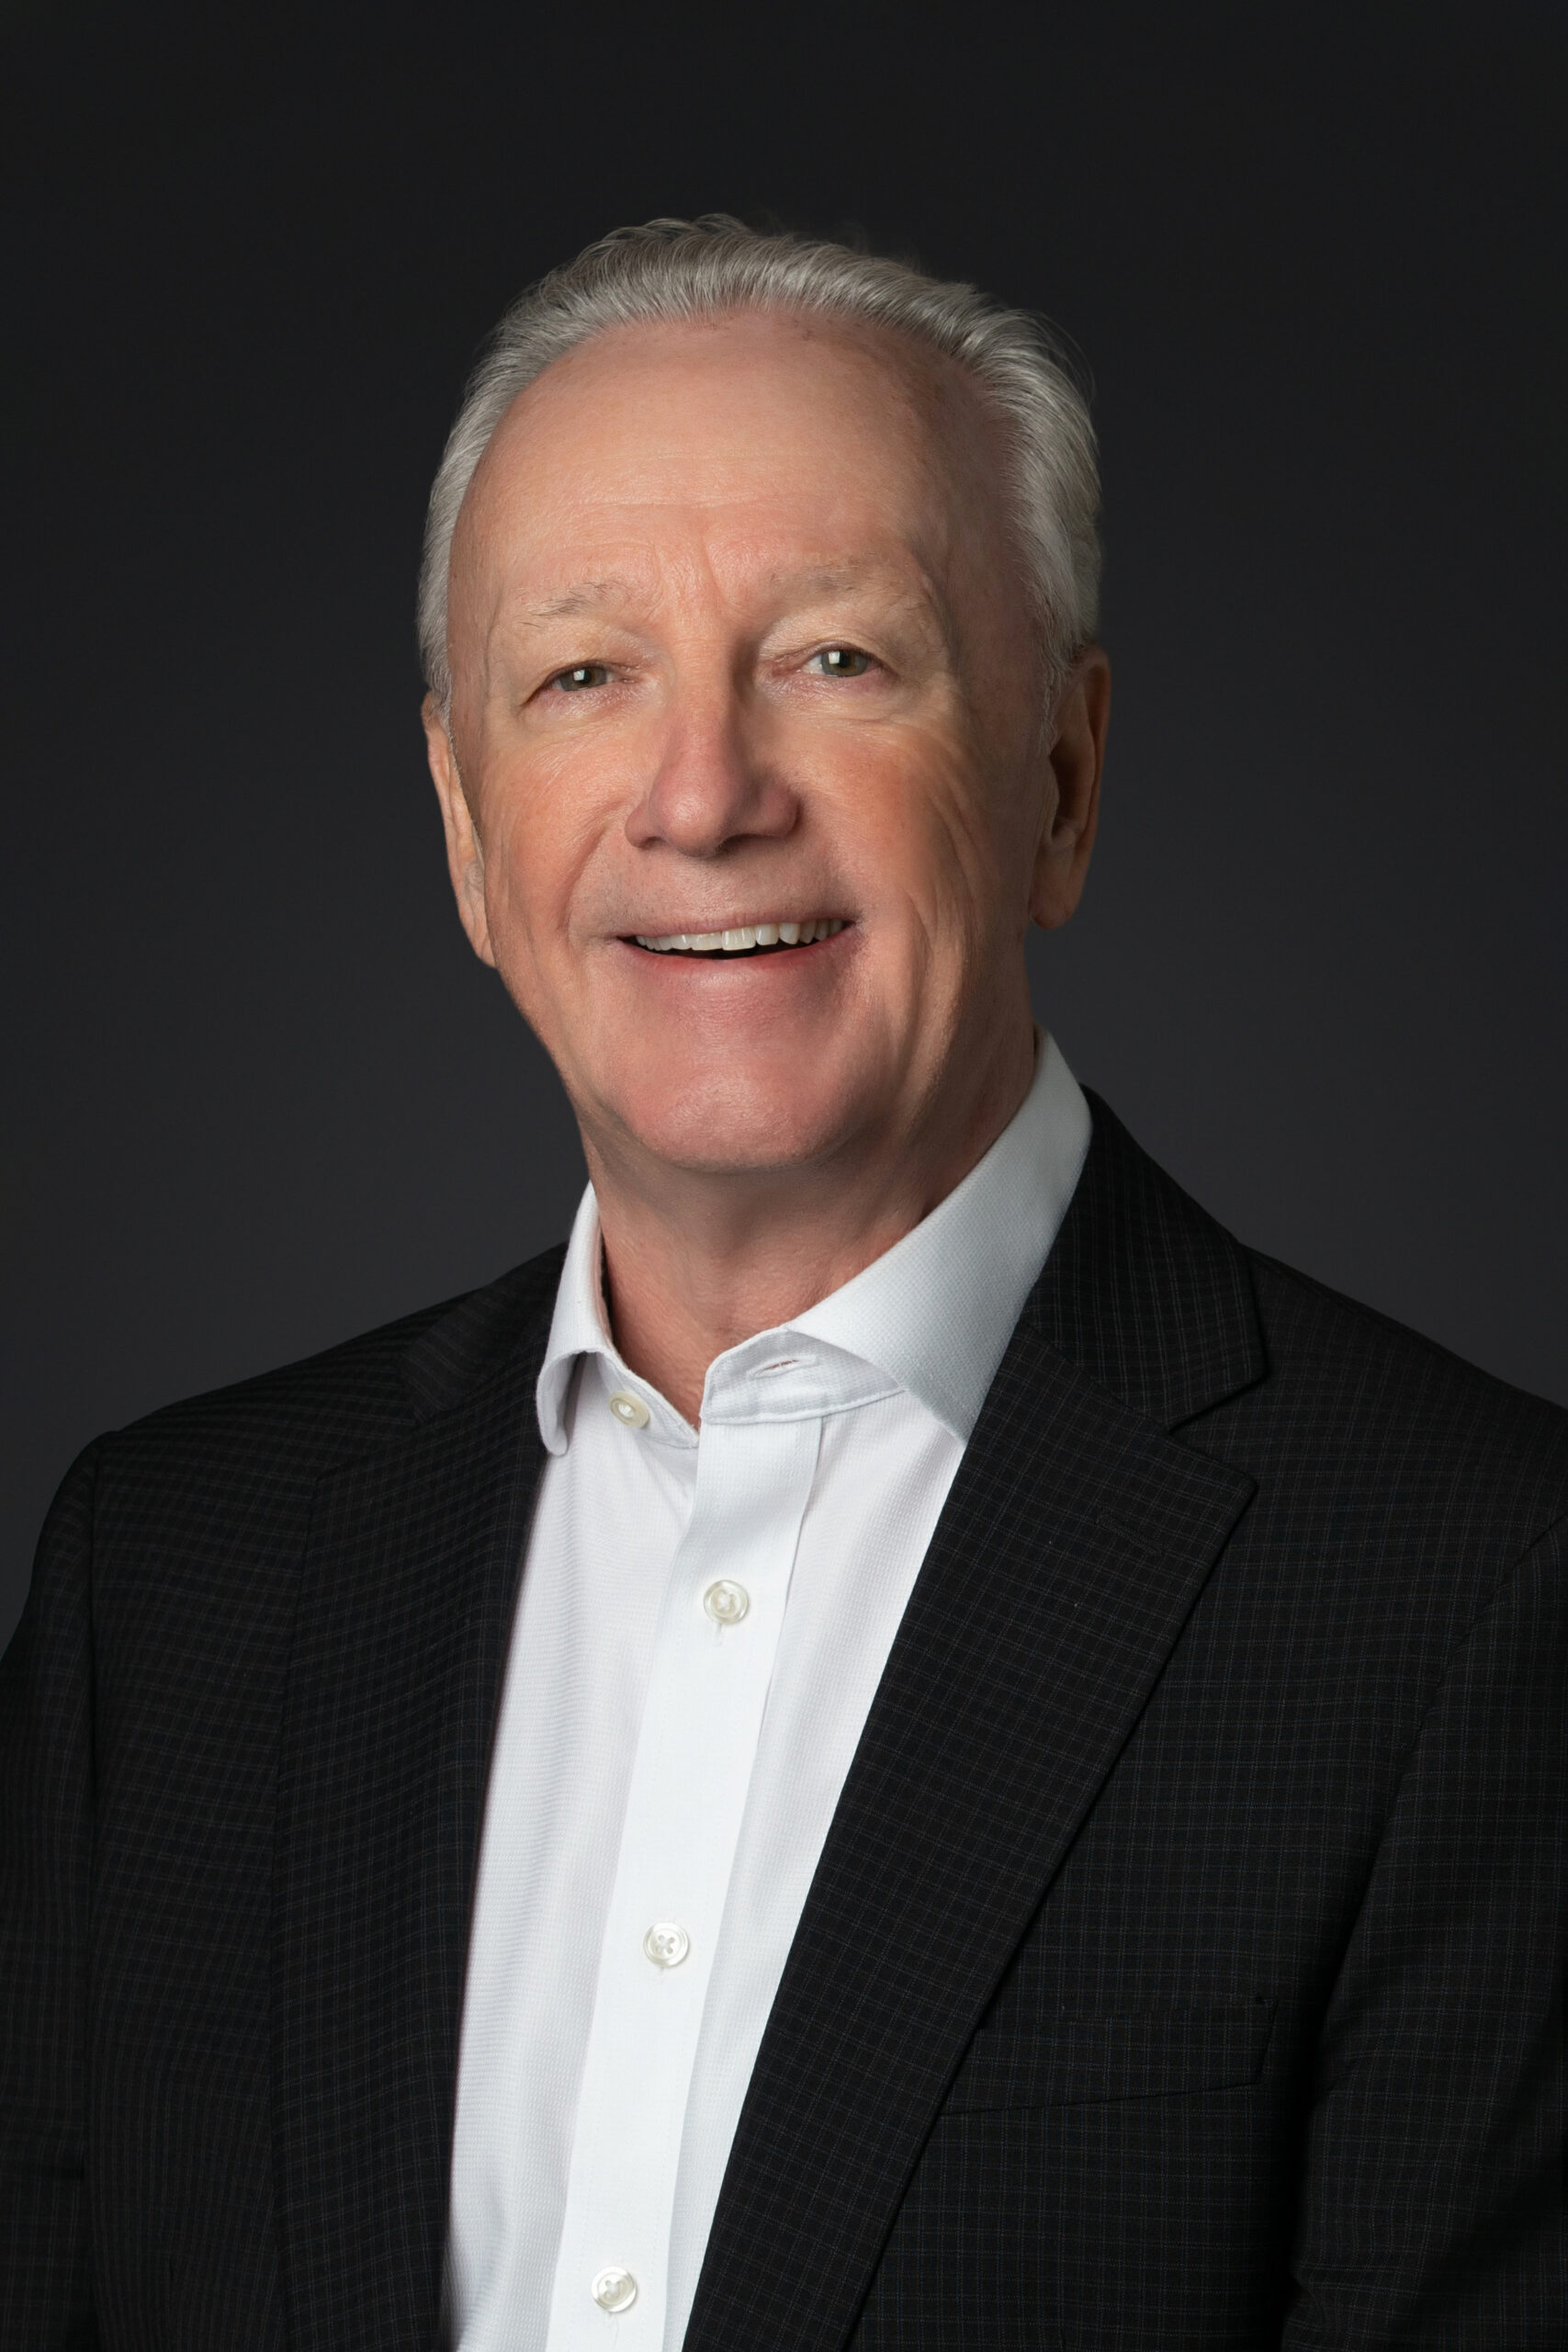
(1075,1540)
(406,1598)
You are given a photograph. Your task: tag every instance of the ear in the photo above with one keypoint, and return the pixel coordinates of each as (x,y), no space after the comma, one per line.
(1077,757)
(465,851)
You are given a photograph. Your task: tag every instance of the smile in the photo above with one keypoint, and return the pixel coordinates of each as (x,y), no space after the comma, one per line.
(748,939)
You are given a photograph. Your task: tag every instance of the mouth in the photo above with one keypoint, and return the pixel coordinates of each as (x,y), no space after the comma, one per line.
(746,939)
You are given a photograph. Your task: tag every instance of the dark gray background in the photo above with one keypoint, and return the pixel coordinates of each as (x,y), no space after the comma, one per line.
(259,1096)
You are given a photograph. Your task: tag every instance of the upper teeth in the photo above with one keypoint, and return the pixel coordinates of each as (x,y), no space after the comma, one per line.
(749,934)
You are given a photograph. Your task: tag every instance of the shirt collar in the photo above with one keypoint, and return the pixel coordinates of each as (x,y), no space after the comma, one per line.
(932,1316)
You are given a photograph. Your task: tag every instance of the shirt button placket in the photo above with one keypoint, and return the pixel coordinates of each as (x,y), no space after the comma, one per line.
(705,1698)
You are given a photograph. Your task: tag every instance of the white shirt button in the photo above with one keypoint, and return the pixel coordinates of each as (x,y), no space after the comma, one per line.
(615,2290)
(726,1603)
(666,1943)
(629,1409)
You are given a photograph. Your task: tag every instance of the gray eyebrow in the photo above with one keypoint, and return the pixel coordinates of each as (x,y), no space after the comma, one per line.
(581,598)
(586,593)
(827,579)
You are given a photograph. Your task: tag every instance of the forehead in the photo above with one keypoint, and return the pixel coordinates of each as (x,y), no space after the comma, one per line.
(757,430)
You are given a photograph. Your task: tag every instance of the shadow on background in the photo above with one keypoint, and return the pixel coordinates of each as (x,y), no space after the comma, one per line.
(258,1094)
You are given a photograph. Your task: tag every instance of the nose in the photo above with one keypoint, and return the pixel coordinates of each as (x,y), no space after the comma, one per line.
(712,786)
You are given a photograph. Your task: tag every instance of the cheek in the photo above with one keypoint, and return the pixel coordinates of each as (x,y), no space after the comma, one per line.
(543,829)
(928,837)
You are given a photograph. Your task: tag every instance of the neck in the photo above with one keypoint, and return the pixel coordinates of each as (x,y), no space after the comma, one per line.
(698,1260)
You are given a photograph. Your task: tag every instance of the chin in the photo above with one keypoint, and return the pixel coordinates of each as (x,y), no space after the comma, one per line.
(739,1121)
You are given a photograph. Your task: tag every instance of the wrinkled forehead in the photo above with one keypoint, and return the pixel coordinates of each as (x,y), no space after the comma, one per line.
(844,439)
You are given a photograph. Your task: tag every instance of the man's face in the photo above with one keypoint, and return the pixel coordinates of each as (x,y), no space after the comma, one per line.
(739,646)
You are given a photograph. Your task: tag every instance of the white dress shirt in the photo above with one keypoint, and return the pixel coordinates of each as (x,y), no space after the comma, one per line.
(703,1623)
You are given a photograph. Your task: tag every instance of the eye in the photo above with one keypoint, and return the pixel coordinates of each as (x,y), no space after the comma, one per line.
(842,661)
(582,675)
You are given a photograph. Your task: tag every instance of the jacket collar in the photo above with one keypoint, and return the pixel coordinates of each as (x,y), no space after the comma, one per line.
(1144,1292)
(482,1336)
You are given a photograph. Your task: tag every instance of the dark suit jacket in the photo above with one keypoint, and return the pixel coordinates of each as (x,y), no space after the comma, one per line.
(1183,1965)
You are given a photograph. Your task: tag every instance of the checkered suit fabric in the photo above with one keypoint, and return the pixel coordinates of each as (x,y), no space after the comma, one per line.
(1184,1966)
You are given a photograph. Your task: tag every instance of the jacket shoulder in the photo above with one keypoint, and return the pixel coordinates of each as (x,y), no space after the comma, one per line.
(1364,1394)
(349,1398)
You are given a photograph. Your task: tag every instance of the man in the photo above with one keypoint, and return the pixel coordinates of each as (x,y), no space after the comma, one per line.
(908,1745)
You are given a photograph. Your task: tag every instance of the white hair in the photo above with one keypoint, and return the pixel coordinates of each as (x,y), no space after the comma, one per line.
(673,270)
